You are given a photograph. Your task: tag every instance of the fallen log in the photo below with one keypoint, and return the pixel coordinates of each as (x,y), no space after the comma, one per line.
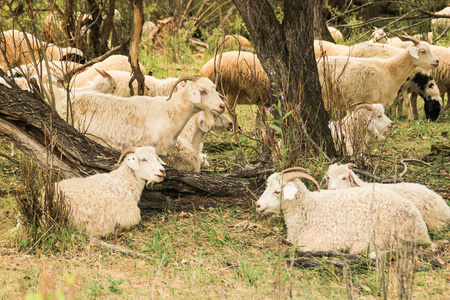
(47,139)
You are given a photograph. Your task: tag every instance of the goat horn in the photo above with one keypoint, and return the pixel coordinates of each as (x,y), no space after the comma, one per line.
(189,77)
(409,38)
(361,105)
(108,76)
(126,151)
(288,177)
(356,104)
(103,73)
(294,169)
(350,165)
(100,72)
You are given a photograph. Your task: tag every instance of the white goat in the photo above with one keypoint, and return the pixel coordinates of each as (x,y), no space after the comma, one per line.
(56,68)
(187,154)
(112,63)
(240,78)
(21,47)
(440,74)
(433,208)
(347,80)
(440,24)
(342,220)
(355,131)
(419,82)
(153,86)
(101,203)
(234,42)
(378,36)
(104,84)
(336,34)
(141,120)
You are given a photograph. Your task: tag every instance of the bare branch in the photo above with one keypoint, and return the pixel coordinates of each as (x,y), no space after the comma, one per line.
(69,75)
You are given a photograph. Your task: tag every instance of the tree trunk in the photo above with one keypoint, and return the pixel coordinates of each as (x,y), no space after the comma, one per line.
(287,49)
(68,21)
(320,27)
(94,32)
(107,26)
(138,21)
(48,140)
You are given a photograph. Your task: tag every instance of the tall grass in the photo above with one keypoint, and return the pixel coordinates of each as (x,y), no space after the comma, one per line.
(44,216)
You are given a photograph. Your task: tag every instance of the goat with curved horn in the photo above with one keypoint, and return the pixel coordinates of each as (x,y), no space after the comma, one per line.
(341,220)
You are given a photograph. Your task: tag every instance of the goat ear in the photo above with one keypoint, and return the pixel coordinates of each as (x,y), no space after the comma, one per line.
(194,94)
(289,191)
(353,180)
(324,181)
(132,161)
(414,52)
(202,124)
(372,128)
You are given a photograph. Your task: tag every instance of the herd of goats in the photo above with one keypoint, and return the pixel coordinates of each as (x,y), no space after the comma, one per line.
(174,115)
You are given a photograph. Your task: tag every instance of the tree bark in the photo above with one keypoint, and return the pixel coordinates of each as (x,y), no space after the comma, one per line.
(107,26)
(47,139)
(138,21)
(287,49)
(320,27)
(94,32)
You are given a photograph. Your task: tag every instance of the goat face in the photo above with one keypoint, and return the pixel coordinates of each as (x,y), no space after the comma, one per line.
(339,177)
(423,57)
(378,35)
(203,94)
(276,192)
(432,108)
(146,164)
(381,121)
(222,124)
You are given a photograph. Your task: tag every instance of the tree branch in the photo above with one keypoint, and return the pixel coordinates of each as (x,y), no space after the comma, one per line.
(69,75)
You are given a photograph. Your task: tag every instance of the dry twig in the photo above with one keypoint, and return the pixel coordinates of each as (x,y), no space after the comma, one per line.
(97,242)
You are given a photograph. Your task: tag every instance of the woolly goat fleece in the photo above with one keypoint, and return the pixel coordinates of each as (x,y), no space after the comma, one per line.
(434,210)
(100,203)
(241,78)
(343,220)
